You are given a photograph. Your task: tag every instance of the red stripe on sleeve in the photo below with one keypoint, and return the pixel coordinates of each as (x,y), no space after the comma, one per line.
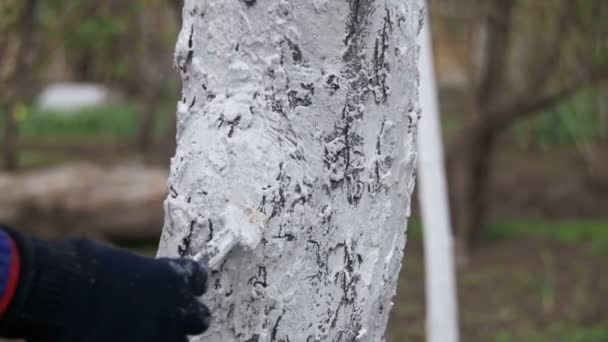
(13,278)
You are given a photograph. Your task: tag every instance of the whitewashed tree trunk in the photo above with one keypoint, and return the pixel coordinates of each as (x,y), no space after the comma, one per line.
(305,113)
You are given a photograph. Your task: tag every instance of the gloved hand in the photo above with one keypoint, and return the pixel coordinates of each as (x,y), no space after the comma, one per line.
(76,290)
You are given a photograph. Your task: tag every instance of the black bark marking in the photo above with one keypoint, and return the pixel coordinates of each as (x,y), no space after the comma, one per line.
(421,18)
(410,120)
(275,105)
(353,22)
(249,3)
(400,19)
(348,286)
(381,67)
(322,265)
(211,229)
(192,103)
(230,311)
(184,247)
(275,328)
(378,141)
(296,100)
(296,53)
(253,338)
(346,160)
(348,259)
(279,199)
(297,155)
(190,43)
(195,10)
(333,84)
(262,205)
(260,278)
(232,124)
(184,64)
(174,193)
(381,164)
(302,199)
(281,235)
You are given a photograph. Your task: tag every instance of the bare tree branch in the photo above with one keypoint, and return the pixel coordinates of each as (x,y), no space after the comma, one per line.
(497,43)
(547,65)
(503,115)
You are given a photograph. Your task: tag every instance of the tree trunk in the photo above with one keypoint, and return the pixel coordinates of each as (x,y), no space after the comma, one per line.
(603,109)
(145,135)
(481,154)
(19,53)
(469,161)
(9,140)
(302,113)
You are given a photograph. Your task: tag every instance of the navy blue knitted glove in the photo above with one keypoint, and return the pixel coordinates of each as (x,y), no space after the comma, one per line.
(77,290)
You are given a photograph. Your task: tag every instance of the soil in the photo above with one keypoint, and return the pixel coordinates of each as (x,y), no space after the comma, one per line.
(551,184)
(515,290)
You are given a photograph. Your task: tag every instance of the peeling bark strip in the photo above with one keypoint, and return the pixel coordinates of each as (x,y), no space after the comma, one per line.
(302,113)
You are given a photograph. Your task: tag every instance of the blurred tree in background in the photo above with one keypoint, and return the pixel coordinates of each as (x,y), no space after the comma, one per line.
(125,45)
(524,58)
(20,46)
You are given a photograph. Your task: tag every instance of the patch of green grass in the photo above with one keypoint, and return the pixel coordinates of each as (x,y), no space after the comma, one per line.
(559,332)
(590,233)
(109,122)
(414,228)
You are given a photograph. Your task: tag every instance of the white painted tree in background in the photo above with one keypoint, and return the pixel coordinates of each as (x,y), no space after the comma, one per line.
(303,114)
(440,277)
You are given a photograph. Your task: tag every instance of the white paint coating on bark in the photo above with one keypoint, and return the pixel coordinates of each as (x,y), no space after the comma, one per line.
(441,302)
(305,112)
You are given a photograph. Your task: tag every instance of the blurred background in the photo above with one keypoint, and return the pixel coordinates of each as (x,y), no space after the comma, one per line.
(87,107)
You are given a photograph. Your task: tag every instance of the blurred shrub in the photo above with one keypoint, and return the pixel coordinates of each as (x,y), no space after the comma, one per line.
(572,122)
(111,41)
(105,40)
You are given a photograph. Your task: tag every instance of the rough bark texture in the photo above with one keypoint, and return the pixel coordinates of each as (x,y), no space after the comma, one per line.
(303,113)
